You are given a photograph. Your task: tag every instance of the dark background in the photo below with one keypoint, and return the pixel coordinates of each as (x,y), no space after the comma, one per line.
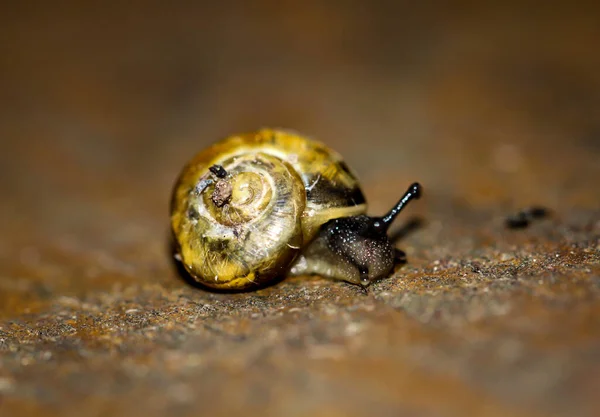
(492,107)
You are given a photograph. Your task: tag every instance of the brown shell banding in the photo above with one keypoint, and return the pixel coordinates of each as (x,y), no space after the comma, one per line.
(236,257)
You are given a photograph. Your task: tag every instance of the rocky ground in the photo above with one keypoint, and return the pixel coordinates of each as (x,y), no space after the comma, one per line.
(493,109)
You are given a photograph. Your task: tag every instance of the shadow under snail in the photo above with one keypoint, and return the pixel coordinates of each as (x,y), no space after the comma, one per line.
(257,206)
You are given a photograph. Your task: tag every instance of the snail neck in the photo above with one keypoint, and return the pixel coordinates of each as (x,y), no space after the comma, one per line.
(413,192)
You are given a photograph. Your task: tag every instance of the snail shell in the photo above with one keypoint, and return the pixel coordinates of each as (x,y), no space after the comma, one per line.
(244,208)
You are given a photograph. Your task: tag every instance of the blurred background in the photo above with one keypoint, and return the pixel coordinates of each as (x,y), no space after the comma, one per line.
(98,97)
(492,106)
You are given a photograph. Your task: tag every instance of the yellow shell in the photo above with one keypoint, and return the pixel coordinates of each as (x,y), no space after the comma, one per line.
(248,228)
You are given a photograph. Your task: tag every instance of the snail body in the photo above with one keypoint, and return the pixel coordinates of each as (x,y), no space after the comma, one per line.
(256,206)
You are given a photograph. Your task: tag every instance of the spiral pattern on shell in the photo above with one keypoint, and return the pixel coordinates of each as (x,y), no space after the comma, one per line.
(246,226)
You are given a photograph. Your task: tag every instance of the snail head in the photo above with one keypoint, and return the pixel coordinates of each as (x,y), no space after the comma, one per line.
(361,242)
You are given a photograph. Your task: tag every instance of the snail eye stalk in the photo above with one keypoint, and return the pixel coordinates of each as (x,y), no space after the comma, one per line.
(413,192)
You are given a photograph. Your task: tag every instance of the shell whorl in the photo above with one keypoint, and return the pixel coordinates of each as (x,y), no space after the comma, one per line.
(249,184)
(246,228)
(256,234)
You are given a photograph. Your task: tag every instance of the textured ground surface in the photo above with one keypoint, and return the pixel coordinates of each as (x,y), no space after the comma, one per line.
(492,109)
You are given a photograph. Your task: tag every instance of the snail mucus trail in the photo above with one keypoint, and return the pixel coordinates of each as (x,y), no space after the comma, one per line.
(344,246)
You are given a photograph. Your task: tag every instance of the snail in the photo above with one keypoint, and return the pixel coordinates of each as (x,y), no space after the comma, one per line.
(257,206)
